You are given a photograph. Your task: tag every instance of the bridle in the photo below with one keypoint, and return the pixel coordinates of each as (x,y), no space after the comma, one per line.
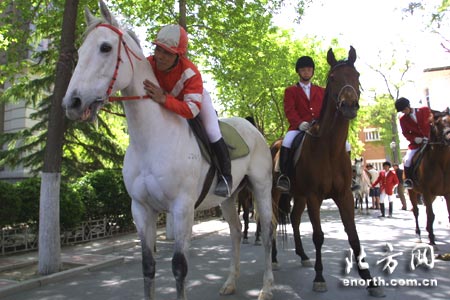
(128,51)
(440,139)
(337,99)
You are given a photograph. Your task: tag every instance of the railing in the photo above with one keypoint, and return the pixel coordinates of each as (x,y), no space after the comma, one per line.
(25,237)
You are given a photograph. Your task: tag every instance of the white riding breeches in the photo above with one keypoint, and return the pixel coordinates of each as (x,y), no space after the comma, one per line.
(289,138)
(209,119)
(385,198)
(408,157)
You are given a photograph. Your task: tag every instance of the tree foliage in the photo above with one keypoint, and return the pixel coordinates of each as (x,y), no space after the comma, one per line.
(250,60)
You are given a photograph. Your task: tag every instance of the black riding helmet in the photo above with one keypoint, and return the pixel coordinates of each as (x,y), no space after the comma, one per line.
(304,62)
(401,104)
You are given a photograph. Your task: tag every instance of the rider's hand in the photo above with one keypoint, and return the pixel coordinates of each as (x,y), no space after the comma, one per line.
(304,126)
(418,140)
(155,92)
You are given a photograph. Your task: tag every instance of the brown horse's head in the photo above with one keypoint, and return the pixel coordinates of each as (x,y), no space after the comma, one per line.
(441,127)
(343,84)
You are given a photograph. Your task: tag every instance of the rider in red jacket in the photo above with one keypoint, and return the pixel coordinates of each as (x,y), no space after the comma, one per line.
(302,105)
(415,124)
(181,91)
(387,179)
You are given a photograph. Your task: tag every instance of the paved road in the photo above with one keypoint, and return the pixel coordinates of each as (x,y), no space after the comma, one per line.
(209,257)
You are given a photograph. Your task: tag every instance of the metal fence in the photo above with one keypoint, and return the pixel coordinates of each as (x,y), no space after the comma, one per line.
(25,237)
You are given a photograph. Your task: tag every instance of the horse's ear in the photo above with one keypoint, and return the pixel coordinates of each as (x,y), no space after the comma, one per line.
(89,16)
(331,59)
(352,55)
(107,14)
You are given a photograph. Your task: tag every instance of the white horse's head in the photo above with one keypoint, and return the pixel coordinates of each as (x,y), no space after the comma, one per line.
(106,48)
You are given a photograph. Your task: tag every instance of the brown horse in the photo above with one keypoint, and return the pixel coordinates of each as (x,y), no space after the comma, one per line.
(324,169)
(245,202)
(433,171)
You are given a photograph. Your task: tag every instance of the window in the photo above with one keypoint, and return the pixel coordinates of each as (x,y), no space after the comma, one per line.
(371,134)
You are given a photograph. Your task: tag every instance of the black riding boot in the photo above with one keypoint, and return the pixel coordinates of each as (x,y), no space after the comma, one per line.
(224,178)
(283,182)
(382,211)
(391,209)
(408,184)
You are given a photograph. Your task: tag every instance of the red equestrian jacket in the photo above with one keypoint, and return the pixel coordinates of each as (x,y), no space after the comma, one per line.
(184,86)
(387,180)
(411,129)
(298,108)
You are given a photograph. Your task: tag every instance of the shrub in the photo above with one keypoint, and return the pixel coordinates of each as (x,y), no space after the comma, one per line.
(72,210)
(10,203)
(104,195)
(29,191)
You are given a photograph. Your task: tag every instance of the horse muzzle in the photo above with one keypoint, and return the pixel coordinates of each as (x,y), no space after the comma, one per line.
(77,111)
(349,109)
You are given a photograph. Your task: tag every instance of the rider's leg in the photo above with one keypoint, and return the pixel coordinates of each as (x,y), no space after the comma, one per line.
(407,160)
(283,182)
(210,122)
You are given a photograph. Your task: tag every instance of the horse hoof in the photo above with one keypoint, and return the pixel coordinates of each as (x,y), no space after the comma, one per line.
(245,241)
(227,289)
(265,296)
(257,243)
(320,287)
(377,292)
(307,263)
(275,266)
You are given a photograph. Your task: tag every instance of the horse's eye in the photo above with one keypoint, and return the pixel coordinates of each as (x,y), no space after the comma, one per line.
(105,48)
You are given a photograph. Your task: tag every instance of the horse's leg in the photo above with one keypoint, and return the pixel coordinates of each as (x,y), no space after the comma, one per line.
(258,233)
(366,196)
(245,216)
(348,220)
(296,214)
(230,214)
(447,199)
(262,196)
(428,199)
(319,284)
(415,209)
(145,219)
(183,222)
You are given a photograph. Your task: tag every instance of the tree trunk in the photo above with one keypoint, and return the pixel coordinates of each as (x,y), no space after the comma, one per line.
(49,230)
(182,17)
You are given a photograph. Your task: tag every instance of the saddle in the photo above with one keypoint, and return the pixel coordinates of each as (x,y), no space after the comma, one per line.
(416,160)
(236,145)
(294,156)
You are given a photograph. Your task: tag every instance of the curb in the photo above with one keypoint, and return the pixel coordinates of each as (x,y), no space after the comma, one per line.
(45,280)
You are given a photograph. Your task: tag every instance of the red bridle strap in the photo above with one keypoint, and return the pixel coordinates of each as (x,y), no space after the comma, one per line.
(116,70)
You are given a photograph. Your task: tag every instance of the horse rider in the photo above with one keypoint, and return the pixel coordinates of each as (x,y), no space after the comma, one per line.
(415,124)
(302,104)
(387,179)
(182,92)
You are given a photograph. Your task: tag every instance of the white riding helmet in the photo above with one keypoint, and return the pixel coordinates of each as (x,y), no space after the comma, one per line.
(172,38)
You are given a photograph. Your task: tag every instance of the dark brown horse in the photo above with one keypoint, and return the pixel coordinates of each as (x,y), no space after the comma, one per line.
(433,171)
(324,169)
(245,202)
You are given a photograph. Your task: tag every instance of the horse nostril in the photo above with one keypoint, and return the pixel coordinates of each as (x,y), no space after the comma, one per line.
(76,102)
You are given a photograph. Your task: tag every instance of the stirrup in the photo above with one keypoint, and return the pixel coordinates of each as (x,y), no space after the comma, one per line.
(283,183)
(222,187)
(408,184)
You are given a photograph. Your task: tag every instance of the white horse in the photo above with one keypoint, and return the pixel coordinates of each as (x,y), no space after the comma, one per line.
(362,185)
(163,168)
